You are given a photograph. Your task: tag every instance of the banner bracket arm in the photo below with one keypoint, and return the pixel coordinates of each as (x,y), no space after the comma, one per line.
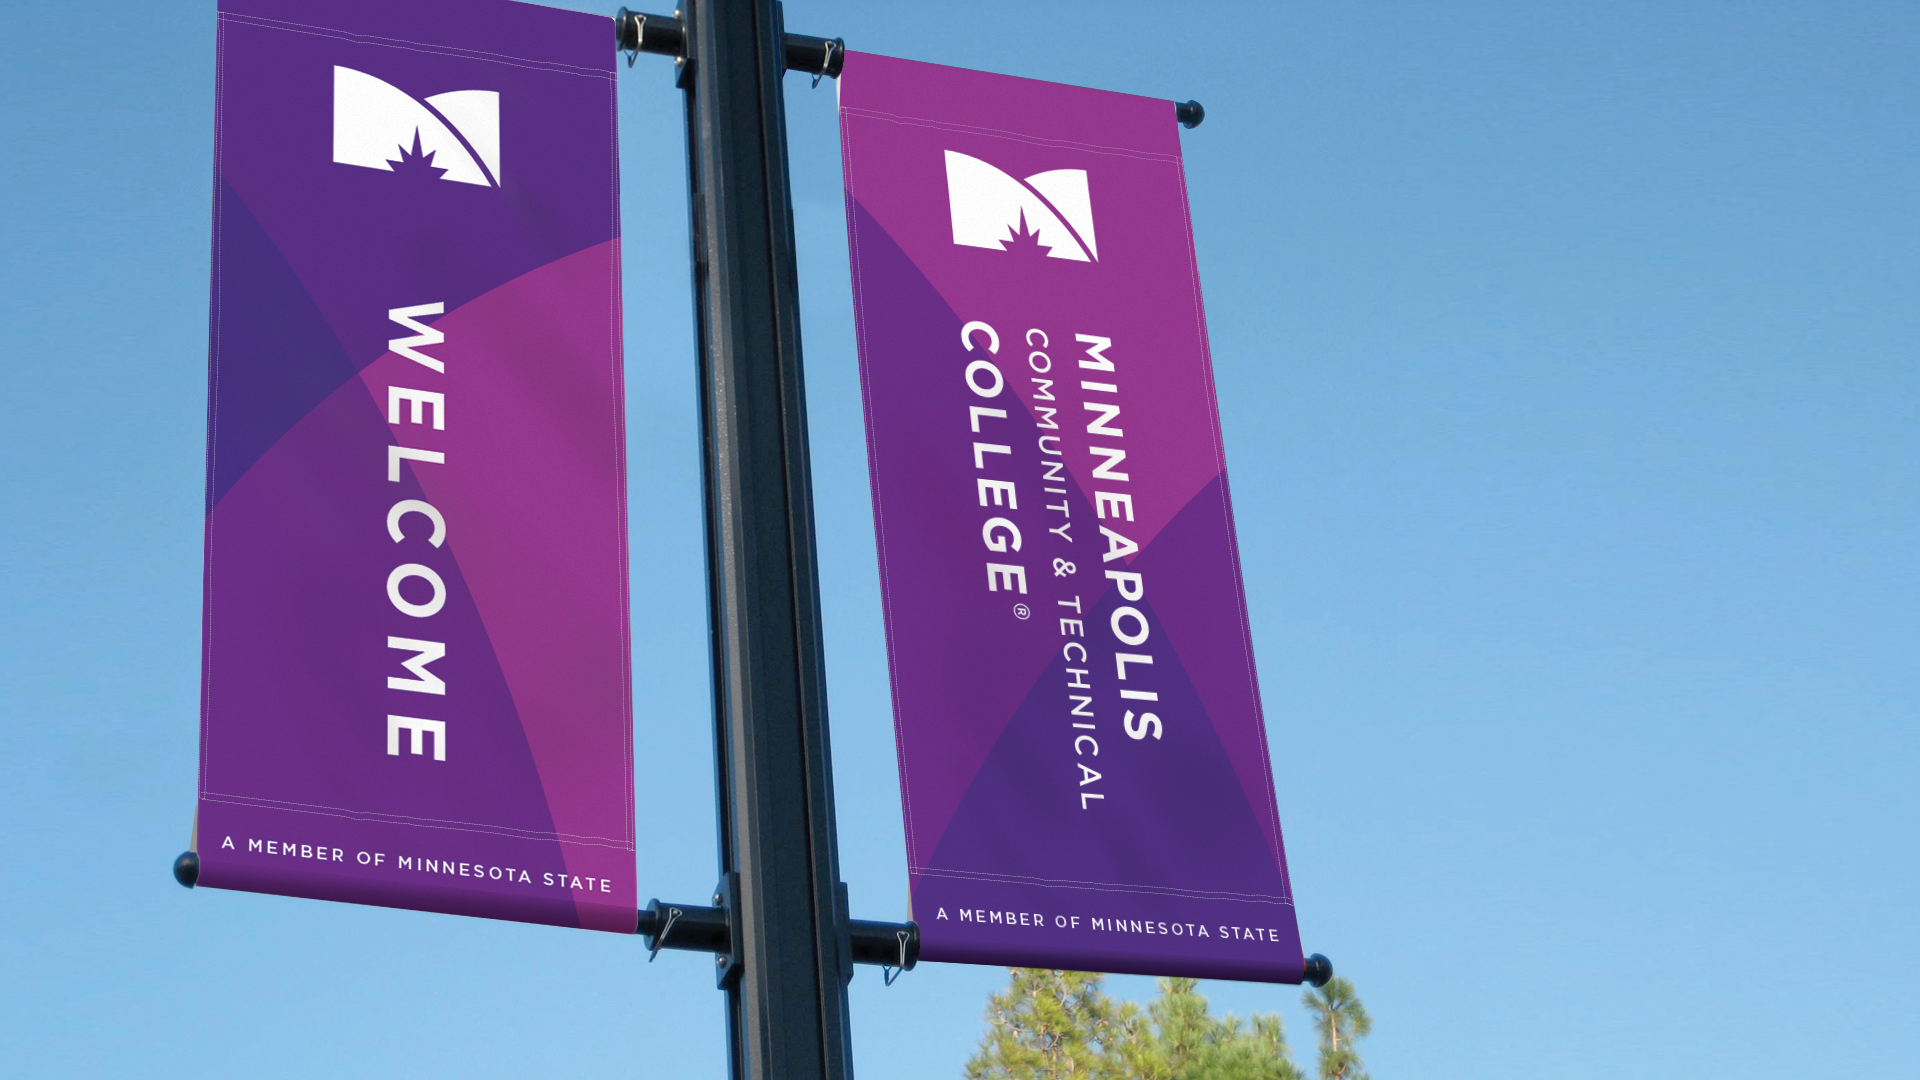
(637,32)
(698,928)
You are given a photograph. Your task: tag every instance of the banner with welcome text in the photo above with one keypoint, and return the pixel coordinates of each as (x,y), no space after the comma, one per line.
(416,686)
(1083,761)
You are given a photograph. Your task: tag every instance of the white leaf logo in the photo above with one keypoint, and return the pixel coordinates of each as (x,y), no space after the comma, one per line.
(455,135)
(991,209)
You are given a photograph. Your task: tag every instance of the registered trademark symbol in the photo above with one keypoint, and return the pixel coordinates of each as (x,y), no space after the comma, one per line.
(1022,611)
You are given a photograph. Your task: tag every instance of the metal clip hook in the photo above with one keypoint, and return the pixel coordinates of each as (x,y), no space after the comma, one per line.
(639,38)
(660,939)
(890,972)
(826,61)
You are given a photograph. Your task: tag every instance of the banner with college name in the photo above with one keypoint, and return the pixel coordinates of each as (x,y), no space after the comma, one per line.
(1083,761)
(416,685)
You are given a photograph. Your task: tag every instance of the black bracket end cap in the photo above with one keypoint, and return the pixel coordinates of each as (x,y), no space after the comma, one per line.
(186,869)
(1319,970)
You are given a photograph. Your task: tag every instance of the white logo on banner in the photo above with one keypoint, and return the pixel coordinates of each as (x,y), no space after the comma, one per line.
(455,135)
(991,208)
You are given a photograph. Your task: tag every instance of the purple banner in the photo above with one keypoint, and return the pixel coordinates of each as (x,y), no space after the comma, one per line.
(416,685)
(1082,756)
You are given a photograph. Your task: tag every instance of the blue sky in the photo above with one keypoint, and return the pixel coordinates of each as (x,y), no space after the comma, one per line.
(1567,368)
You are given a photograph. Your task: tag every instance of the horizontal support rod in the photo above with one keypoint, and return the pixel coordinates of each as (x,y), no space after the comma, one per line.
(815,56)
(692,927)
(884,943)
(698,928)
(638,32)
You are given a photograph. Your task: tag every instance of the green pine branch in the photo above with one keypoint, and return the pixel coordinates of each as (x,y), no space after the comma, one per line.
(1061,1025)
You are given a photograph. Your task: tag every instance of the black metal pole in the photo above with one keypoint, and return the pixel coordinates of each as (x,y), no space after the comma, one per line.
(786,974)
